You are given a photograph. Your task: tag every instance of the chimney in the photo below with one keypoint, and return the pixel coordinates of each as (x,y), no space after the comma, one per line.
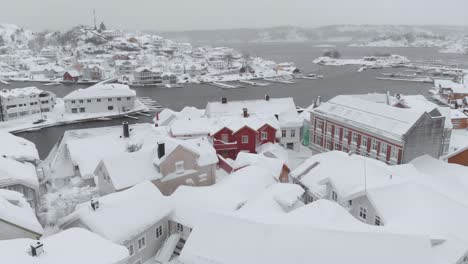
(37,248)
(245,112)
(267,97)
(318,101)
(161,150)
(224,100)
(388,98)
(94,204)
(126,131)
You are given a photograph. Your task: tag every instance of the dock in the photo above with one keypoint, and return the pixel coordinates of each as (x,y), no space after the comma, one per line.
(424,80)
(226,86)
(254,83)
(132,117)
(278,80)
(4,82)
(152,105)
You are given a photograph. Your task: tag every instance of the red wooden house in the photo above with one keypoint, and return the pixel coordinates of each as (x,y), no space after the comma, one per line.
(72,76)
(242,134)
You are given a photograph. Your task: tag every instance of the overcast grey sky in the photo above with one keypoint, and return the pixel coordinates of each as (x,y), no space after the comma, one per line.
(212,14)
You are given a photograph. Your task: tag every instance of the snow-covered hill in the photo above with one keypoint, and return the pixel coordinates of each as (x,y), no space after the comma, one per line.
(14,35)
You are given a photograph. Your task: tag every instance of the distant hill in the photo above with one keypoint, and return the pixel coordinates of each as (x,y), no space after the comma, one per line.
(334,33)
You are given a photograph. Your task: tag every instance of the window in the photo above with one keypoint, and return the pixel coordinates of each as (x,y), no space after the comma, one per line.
(119,99)
(364,142)
(81,101)
(354,137)
(319,124)
(319,140)
(128,98)
(141,243)
(158,231)
(293,132)
(110,108)
(89,100)
(131,251)
(180,227)
(99,100)
(374,145)
(329,145)
(72,101)
(377,221)
(383,148)
(334,196)
(283,133)
(394,153)
(363,213)
(109,99)
(309,199)
(225,138)
(329,128)
(245,139)
(82,110)
(264,135)
(350,202)
(337,146)
(179,166)
(74,110)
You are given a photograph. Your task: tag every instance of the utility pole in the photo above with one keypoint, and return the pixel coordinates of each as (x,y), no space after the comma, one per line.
(94,15)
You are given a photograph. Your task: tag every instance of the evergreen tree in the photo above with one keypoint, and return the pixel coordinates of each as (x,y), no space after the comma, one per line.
(102,27)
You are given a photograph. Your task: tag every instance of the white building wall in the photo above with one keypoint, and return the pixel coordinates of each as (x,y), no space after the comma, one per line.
(99,105)
(25,105)
(292,139)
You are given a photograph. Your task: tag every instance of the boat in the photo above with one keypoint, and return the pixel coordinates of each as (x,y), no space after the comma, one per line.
(313,75)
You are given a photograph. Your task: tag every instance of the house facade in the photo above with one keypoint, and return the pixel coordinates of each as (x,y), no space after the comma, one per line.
(144,75)
(392,135)
(93,72)
(282,109)
(101,98)
(21,102)
(125,67)
(71,76)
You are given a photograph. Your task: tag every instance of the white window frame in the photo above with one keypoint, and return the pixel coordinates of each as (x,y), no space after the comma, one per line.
(139,245)
(363,212)
(364,139)
(384,147)
(354,137)
(245,139)
(334,196)
(179,227)
(283,133)
(293,133)
(159,231)
(225,137)
(264,135)
(132,251)
(374,145)
(394,152)
(377,220)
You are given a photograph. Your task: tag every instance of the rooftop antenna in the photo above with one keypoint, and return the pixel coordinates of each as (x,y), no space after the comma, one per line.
(94,15)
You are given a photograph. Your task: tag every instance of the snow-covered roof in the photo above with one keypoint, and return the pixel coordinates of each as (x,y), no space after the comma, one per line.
(17,148)
(244,159)
(201,147)
(276,199)
(186,126)
(419,209)
(16,172)
(225,239)
(16,210)
(123,62)
(72,246)
(107,142)
(390,121)
(350,178)
(74,73)
(274,106)
(20,92)
(235,123)
(100,90)
(122,172)
(273,150)
(123,215)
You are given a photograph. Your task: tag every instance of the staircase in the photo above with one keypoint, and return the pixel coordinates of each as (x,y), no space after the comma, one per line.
(171,248)
(180,245)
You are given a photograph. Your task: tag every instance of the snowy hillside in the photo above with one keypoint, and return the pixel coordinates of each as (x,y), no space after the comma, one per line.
(12,34)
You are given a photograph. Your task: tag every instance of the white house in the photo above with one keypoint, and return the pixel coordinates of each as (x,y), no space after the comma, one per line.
(17,219)
(219,64)
(73,246)
(125,67)
(135,218)
(145,75)
(93,72)
(100,97)
(21,102)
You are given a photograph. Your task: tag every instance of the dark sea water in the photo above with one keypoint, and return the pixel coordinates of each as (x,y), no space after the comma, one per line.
(338,80)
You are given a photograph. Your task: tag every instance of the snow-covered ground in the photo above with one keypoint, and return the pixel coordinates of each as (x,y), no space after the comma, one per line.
(382,61)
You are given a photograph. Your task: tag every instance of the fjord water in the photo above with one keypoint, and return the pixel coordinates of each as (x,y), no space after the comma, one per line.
(338,80)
